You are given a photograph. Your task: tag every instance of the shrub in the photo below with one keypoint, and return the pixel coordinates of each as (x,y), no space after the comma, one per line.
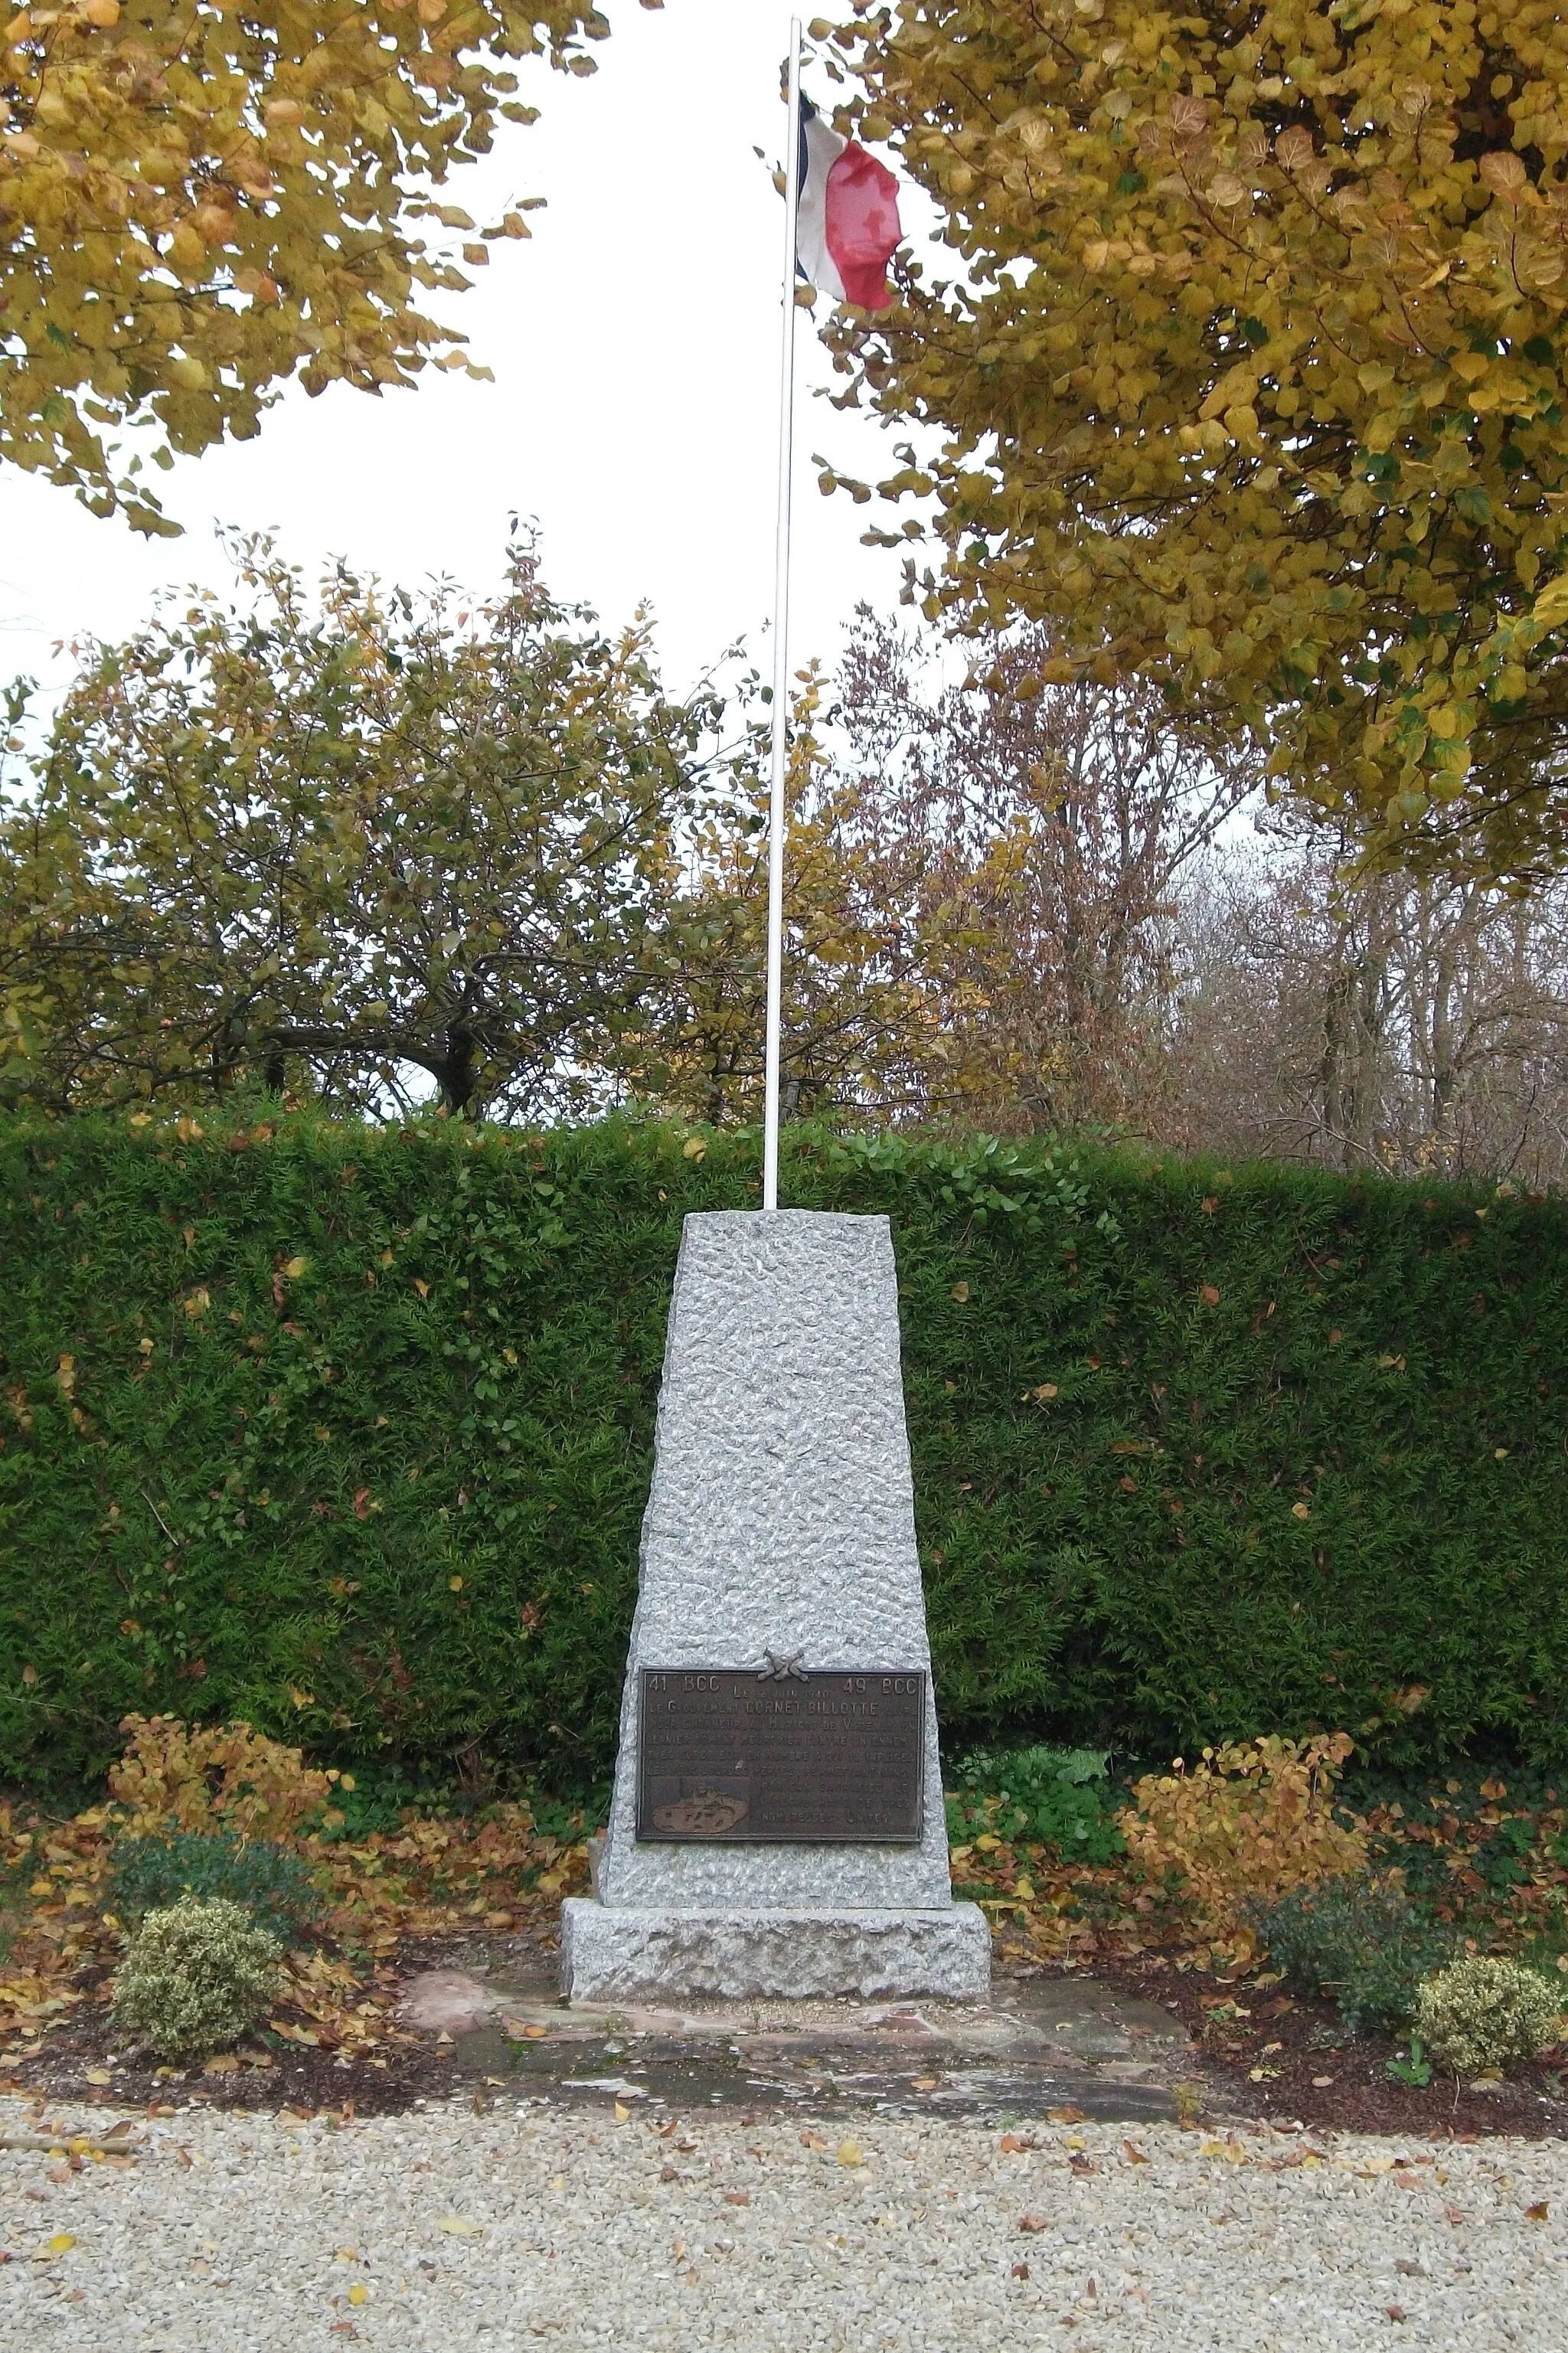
(346,1431)
(1480,2012)
(194,1977)
(1253,1819)
(1058,1796)
(196,1776)
(1362,1945)
(274,1886)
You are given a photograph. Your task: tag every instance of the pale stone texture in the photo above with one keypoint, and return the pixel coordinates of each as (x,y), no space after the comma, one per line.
(781,1518)
(610,1955)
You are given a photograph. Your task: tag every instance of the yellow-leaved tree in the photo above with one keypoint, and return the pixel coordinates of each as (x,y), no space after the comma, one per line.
(198,201)
(1251,379)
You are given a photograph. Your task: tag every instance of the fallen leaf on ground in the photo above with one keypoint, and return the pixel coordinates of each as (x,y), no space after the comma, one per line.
(359,2293)
(737,2197)
(924,2083)
(1536,2213)
(623,2114)
(97,2075)
(1067,2115)
(457,2226)
(1010,2144)
(848,2153)
(1134,2155)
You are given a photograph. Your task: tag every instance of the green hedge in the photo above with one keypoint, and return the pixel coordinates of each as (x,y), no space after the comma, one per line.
(347,1431)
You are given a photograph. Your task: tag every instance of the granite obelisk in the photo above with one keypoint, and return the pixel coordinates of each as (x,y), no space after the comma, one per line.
(780,1527)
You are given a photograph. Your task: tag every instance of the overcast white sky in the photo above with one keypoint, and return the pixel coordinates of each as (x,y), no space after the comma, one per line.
(634,344)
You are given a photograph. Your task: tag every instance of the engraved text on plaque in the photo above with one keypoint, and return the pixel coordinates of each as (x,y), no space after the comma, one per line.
(834,1754)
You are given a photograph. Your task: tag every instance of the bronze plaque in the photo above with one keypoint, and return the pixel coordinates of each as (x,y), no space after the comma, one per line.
(727,1753)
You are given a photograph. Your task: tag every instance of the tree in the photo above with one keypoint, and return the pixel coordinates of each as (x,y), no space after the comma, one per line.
(1412,1024)
(320,844)
(978,908)
(1252,378)
(1040,837)
(860,1016)
(198,202)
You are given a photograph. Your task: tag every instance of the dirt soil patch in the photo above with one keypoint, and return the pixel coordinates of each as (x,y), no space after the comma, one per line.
(1139,2039)
(1271,2055)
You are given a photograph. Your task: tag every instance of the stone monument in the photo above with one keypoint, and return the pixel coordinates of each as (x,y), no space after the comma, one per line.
(777,1826)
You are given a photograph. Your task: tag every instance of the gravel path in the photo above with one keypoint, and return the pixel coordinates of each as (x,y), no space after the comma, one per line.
(450,2230)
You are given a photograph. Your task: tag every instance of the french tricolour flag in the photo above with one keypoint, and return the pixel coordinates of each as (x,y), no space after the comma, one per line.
(846,229)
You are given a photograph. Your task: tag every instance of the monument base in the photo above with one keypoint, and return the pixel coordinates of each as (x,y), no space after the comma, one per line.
(622,1952)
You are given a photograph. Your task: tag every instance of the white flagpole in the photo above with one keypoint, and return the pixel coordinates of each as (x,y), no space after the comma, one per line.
(781,645)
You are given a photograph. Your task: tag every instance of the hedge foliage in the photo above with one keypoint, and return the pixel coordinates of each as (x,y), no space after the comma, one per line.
(347,1431)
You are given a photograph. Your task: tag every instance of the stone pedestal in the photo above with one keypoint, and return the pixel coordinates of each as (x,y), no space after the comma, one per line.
(781,1520)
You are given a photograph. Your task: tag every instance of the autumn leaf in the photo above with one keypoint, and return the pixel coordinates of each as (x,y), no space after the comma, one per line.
(1141,370)
(457,2226)
(198,209)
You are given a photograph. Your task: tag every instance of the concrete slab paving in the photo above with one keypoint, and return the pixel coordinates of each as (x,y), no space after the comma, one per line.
(1038,2045)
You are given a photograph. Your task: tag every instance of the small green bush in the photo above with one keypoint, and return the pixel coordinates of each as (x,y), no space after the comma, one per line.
(1362,1945)
(274,1886)
(1480,2012)
(194,1978)
(1062,1797)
